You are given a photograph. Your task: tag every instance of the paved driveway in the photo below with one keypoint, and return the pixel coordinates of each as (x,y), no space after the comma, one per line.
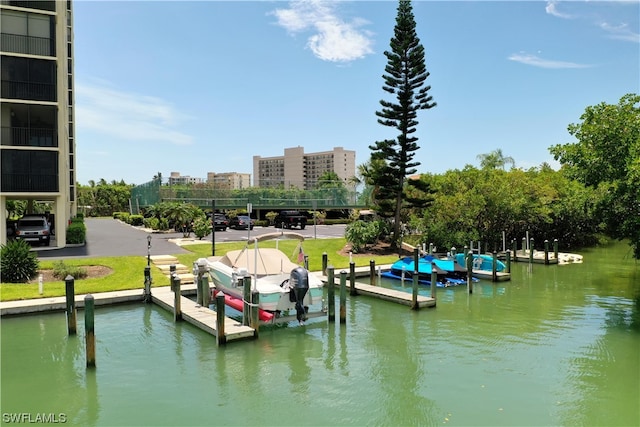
(109,237)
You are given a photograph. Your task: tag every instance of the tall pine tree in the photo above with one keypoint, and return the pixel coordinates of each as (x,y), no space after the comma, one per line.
(405,77)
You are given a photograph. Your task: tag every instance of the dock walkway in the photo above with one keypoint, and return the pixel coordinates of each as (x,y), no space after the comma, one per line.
(393,295)
(201,317)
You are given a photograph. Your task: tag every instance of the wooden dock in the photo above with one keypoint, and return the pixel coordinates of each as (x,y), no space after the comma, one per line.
(201,317)
(501,276)
(393,295)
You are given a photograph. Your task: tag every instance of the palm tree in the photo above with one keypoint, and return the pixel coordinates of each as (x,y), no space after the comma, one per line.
(495,160)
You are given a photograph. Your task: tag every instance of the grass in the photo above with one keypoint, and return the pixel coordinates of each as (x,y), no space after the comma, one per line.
(128,272)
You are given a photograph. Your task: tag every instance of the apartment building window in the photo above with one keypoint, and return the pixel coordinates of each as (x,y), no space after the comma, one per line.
(29,171)
(30,125)
(27,78)
(28,33)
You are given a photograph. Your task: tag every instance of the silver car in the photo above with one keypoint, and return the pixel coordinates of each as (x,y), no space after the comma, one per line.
(34,228)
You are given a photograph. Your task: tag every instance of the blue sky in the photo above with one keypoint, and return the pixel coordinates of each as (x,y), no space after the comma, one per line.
(197,87)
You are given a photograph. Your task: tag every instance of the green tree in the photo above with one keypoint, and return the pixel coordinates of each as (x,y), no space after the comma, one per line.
(495,160)
(607,156)
(405,77)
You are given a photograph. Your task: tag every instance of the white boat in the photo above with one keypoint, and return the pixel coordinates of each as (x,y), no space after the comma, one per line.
(282,284)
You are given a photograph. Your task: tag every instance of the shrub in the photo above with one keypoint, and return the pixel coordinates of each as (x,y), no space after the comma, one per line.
(62,270)
(118,215)
(152,223)
(17,263)
(136,220)
(201,226)
(360,233)
(76,232)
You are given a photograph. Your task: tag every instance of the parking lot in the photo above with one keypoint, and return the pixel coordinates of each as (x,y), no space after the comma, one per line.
(110,237)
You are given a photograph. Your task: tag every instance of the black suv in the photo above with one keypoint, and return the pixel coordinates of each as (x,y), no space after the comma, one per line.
(220,222)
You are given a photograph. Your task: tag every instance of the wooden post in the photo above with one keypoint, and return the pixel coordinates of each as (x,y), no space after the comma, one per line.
(469,261)
(89,328)
(514,243)
(414,294)
(524,246)
(372,272)
(352,279)
(147,284)
(416,259)
(213,227)
(546,252)
(325,260)
(331,296)
(531,251)
(465,251)
(494,267)
(508,262)
(71,304)
(246,300)
(306,262)
(430,248)
(555,249)
(177,295)
(434,280)
(220,307)
(199,289)
(343,296)
(255,318)
(206,292)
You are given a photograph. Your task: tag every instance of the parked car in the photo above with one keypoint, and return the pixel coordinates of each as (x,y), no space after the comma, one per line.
(220,222)
(290,219)
(241,222)
(34,228)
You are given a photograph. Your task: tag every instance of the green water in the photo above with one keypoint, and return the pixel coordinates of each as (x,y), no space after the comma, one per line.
(557,345)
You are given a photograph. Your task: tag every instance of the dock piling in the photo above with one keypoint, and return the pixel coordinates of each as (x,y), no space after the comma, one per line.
(434,280)
(69,283)
(414,294)
(352,279)
(331,296)
(325,261)
(220,313)
(147,284)
(177,295)
(469,261)
(508,263)
(206,292)
(494,267)
(89,327)
(246,300)
(546,252)
(555,249)
(255,318)
(372,272)
(343,296)
(531,251)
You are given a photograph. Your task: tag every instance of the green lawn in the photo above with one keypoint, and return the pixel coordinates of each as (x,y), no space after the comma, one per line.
(128,272)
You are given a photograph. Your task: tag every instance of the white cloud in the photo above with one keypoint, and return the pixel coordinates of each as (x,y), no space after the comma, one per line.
(620,32)
(127,116)
(536,61)
(551,9)
(334,39)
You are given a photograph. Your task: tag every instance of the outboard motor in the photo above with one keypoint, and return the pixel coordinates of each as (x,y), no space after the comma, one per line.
(299,283)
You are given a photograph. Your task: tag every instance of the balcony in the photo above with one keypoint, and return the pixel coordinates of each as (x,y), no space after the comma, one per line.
(27,44)
(34,137)
(32,4)
(13,182)
(28,91)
